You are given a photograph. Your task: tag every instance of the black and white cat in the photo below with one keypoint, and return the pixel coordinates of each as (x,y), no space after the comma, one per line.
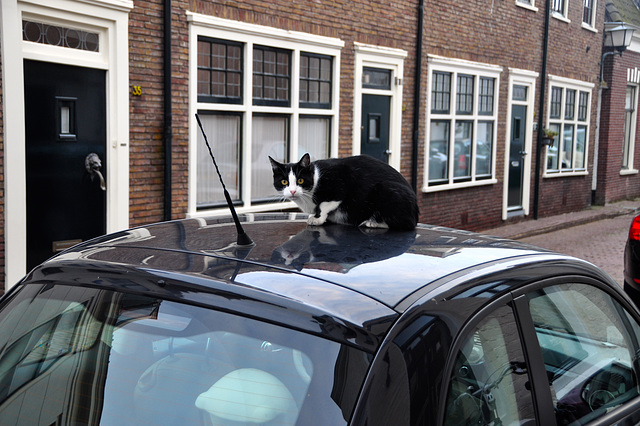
(360,191)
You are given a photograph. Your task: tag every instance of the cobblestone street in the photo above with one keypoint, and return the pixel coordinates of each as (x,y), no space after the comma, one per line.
(597,234)
(600,242)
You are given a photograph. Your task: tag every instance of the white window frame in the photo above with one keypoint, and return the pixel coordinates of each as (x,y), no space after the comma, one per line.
(563,15)
(632,134)
(250,35)
(527,4)
(594,12)
(578,86)
(383,58)
(478,70)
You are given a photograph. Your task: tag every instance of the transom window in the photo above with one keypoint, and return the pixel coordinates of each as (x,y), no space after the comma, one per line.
(219,71)
(568,152)
(56,35)
(282,106)
(462,125)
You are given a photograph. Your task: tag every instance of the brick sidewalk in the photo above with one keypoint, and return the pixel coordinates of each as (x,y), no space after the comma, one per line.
(544,225)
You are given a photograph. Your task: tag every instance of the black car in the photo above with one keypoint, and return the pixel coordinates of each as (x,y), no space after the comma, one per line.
(176,324)
(632,261)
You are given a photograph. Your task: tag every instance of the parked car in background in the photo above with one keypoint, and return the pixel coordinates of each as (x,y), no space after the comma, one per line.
(174,323)
(632,261)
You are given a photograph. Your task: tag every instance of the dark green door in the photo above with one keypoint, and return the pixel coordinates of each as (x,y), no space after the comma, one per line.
(516,156)
(375,126)
(65,118)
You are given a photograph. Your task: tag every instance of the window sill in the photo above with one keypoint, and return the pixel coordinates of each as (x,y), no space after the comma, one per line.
(560,17)
(450,186)
(564,174)
(589,28)
(526,6)
(628,172)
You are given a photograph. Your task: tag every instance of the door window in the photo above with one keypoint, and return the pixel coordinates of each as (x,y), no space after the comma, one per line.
(489,382)
(588,343)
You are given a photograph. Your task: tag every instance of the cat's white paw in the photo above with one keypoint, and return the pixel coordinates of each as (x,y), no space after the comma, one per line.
(315,221)
(371,223)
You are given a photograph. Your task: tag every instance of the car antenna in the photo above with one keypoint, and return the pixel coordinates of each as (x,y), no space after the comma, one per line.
(243,239)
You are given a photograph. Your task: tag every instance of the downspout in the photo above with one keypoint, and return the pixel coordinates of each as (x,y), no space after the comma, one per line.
(539,148)
(168,129)
(416,99)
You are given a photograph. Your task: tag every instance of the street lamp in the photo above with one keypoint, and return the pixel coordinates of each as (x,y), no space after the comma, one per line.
(618,38)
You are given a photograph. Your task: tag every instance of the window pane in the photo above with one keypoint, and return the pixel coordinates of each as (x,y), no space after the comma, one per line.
(485,104)
(439,151)
(376,78)
(567,146)
(271,76)
(219,71)
(270,138)
(554,149)
(490,382)
(581,143)
(223,133)
(629,121)
(583,106)
(315,81)
(462,149)
(587,16)
(484,151)
(464,95)
(520,93)
(570,105)
(314,137)
(556,102)
(441,92)
(587,349)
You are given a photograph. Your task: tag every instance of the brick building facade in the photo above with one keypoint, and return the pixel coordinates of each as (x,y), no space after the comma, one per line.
(331,78)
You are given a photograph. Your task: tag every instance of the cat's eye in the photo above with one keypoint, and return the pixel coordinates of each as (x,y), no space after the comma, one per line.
(284,182)
(300,181)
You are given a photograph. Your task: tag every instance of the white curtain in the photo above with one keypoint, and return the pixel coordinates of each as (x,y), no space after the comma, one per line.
(270,137)
(314,137)
(223,134)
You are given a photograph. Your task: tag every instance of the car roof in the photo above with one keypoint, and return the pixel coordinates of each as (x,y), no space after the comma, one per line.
(355,275)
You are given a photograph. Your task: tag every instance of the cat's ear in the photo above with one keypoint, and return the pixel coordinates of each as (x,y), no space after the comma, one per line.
(305,160)
(274,164)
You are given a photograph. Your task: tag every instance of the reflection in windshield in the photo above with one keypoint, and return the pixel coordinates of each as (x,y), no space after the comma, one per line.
(84,356)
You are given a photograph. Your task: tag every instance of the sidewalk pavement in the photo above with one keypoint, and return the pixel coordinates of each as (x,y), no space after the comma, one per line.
(531,227)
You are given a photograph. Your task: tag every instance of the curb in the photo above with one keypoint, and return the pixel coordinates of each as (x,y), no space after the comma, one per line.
(569,223)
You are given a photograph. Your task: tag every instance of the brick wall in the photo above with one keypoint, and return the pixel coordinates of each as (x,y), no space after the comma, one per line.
(612,185)
(501,33)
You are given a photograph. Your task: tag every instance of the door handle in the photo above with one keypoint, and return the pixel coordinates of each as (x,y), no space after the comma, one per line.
(387,152)
(523,153)
(93,165)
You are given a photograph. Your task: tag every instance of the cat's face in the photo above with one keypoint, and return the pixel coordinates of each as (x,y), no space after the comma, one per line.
(294,181)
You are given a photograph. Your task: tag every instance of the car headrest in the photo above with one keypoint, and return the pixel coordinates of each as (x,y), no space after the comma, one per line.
(249,395)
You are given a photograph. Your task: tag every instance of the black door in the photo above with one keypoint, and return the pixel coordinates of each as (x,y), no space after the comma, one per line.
(516,156)
(65,118)
(375,126)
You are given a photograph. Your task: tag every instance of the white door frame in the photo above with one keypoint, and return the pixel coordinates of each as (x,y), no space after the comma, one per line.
(385,58)
(528,79)
(108,18)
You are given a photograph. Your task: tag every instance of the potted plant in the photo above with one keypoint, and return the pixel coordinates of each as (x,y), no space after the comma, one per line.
(548,135)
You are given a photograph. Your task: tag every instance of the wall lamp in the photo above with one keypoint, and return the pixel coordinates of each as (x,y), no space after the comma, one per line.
(616,37)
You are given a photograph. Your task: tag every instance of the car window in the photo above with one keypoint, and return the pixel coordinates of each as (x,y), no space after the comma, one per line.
(588,343)
(74,355)
(489,382)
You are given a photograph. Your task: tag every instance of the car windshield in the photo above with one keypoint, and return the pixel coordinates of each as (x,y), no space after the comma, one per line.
(72,355)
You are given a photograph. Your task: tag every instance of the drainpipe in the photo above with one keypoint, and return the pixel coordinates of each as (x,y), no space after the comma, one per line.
(168,130)
(539,148)
(416,99)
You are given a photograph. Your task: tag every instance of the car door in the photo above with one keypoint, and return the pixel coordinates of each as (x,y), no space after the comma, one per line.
(588,338)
